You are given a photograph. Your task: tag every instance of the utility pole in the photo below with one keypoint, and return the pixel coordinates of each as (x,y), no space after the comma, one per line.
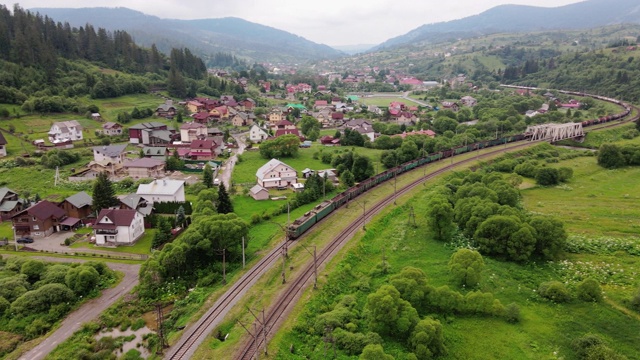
(263,323)
(159,324)
(315,264)
(284,258)
(412,217)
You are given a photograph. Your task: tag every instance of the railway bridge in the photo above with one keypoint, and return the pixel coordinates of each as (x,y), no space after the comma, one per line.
(555,132)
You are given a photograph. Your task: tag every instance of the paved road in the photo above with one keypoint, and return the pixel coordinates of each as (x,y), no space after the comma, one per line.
(52,244)
(88,311)
(227,169)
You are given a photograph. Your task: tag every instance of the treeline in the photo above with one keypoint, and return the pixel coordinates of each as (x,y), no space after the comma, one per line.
(41,59)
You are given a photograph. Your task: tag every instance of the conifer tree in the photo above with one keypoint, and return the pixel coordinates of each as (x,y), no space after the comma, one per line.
(224,202)
(104,196)
(207,176)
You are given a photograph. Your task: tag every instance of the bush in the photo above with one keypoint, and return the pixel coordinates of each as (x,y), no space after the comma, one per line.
(466,267)
(589,290)
(512,313)
(554,291)
(592,347)
(547,176)
(635,301)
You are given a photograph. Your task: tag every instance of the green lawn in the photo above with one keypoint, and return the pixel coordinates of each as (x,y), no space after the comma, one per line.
(595,201)
(547,329)
(6,231)
(245,171)
(142,246)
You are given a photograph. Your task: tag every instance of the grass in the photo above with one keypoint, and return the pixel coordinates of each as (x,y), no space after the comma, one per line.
(546,331)
(6,230)
(595,201)
(142,246)
(245,171)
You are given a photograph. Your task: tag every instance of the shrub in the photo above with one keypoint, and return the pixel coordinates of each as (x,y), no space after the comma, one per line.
(589,290)
(512,313)
(554,291)
(547,176)
(635,300)
(592,347)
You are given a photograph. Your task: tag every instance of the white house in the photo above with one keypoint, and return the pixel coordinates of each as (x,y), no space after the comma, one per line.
(163,190)
(118,227)
(3,146)
(275,173)
(192,131)
(112,153)
(65,131)
(257,134)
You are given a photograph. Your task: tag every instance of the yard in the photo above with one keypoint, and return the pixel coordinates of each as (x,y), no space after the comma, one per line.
(142,246)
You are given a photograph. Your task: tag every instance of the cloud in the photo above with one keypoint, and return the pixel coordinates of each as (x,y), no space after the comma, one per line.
(333,22)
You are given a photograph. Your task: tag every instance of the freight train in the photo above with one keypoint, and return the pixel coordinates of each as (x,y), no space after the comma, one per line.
(322,210)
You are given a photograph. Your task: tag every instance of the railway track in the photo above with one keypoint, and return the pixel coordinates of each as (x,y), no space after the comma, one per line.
(195,334)
(294,290)
(284,304)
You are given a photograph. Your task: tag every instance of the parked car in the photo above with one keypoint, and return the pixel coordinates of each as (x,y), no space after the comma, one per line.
(216,182)
(25,240)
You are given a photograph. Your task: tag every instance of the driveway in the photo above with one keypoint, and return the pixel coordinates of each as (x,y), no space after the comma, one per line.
(88,311)
(227,168)
(52,243)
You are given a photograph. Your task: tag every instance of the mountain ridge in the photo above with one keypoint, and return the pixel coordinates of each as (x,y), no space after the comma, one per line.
(232,35)
(525,18)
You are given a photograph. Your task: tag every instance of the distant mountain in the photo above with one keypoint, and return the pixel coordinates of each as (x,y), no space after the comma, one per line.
(353,49)
(519,18)
(205,37)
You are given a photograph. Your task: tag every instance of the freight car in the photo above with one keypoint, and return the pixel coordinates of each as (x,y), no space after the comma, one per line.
(322,210)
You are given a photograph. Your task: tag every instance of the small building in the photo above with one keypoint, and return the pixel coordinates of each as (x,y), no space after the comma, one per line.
(10,203)
(202,149)
(118,227)
(78,205)
(468,101)
(275,173)
(39,220)
(96,116)
(111,129)
(3,145)
(148,133)
(192,131)
(165,190)
(64,131)
(257,134)
(145,168)
(257,192)
(136,202)
(166,110)
(155,152)
(113,153)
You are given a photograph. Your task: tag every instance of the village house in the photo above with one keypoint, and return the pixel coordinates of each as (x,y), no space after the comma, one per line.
(275,116)
(111,129)
(64,131)
(194,106)
(257,192)
(10,203)
(202,117)
(155,152)
(118,227)
(257,134)
(192,131)
(166,110)
(219,113)
(468,101)
(248,104)
(276,174)
(448,105)
(214,132)
(3,145)
(137,203)
(149,133)
(145,168)
(241,119)
(406,118)
(108,159)
(78,205)
(164,190)
(362,126)
(286,127)
(204,149)
(39,220)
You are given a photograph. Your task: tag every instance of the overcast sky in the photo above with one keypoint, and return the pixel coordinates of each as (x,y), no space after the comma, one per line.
(331,22)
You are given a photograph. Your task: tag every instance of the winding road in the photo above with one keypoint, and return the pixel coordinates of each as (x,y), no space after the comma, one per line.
(88,311)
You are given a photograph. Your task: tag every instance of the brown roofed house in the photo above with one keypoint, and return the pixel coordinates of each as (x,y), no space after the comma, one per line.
(39,220)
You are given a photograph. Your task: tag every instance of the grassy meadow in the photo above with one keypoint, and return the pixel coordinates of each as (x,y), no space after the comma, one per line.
(598,207)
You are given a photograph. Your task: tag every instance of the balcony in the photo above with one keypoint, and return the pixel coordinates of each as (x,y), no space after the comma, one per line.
(106,232)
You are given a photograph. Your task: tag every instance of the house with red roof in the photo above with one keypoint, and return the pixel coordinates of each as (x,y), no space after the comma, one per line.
(220,113)
(202,117)
(320,104)
(202,149)
(195,106)
(115,227)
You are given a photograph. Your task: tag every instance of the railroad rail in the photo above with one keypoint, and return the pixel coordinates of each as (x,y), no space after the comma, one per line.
(196,333)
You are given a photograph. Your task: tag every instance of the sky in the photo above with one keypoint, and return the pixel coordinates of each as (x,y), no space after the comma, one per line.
(330,22)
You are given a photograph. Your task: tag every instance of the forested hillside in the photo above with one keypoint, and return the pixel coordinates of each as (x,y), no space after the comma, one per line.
(46,65)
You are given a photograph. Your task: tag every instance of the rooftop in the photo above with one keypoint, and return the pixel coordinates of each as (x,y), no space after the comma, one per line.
(160,187)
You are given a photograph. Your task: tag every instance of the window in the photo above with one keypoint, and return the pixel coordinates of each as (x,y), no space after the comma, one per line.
(36,227)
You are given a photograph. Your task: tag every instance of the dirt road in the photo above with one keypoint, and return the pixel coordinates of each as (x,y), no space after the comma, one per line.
(88,311)
(227,169)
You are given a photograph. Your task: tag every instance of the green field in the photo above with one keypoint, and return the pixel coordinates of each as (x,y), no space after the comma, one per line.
(595,202)
(245,171)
